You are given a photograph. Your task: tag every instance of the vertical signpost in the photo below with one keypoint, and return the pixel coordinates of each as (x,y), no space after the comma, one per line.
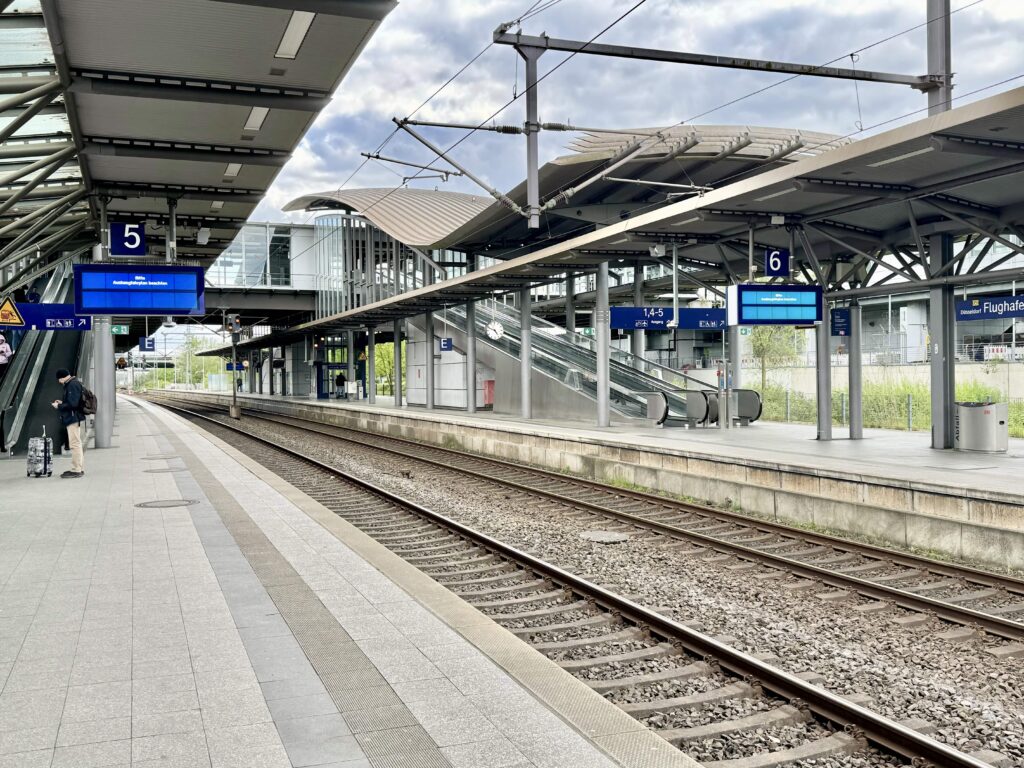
(235,328)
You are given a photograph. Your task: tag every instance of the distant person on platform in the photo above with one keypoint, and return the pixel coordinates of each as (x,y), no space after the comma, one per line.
(6,353)
(238,383)
(339,385)
(72,414)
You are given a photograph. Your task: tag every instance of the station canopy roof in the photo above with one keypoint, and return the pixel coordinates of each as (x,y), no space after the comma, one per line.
(861,212)
(199,101)
(681,155)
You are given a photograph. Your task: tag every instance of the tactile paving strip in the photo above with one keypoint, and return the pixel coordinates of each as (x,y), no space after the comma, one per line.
(351,679)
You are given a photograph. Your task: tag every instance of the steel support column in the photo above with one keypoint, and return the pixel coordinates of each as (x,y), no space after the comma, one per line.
(371,365)
(823,363)
(941,348)
(429,342)
(350,356)
(471,357)
(735,349)
(530,58)
(637,341)
(940,57)
(602,329)
(856,390)
(526,353)
(270,371)
(570,303)
(103,344)
(397,363)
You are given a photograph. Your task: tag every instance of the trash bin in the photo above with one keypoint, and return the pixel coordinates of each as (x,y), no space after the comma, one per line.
(981,427)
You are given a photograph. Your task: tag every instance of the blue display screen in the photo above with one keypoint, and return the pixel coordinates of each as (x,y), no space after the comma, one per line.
(777,305)
(109,289)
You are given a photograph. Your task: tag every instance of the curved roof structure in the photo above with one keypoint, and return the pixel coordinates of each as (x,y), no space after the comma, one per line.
(706,155)
(416,217)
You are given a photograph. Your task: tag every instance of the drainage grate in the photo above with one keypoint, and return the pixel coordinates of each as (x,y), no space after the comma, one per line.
(166,503)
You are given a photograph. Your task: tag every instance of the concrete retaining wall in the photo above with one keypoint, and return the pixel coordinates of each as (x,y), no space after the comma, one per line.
(986,528)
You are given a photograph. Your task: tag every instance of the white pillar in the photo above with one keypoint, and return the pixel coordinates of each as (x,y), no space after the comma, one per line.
(602,329)
(471,357)
(823,363)
(525,354)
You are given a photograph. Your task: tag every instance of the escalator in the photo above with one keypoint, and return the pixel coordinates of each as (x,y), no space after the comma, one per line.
(29,388)
(639,389)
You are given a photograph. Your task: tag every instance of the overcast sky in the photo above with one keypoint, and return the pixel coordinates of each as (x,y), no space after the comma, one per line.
(423,42)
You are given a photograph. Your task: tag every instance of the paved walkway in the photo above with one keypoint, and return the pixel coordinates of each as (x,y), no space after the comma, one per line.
(888,454)
(235,631)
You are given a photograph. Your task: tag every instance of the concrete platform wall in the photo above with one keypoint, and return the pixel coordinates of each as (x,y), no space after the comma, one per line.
(986,528)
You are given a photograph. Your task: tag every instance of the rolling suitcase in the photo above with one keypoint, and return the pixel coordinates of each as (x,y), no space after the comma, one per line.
(40,456)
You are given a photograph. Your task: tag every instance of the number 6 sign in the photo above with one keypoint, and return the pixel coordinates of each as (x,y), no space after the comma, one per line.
(127,239)
(776,262)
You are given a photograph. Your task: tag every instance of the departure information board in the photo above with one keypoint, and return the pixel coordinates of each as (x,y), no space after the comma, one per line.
(763,304)
(114,289)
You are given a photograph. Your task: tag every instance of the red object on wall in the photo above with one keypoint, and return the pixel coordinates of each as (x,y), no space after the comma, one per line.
(488,391)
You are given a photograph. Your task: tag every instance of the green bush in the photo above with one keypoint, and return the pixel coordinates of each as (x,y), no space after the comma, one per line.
(884,405)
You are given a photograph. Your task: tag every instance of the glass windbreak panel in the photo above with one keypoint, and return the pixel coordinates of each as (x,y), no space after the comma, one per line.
(281,256)
(254,243)
(227,269)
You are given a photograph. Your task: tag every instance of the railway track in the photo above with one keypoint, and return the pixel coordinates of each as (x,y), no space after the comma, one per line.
(960,595)
(706,690)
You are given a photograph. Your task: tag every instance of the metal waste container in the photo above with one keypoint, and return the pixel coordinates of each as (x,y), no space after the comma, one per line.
(981,427)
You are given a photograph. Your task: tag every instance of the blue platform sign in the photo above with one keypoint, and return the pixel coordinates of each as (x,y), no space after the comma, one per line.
(659,318)
(112,289)
(447,345)
(235,366)
(987,308)
(841,321)
(147,344)
(776,262)
(52,317)
(763,304)
(127,239)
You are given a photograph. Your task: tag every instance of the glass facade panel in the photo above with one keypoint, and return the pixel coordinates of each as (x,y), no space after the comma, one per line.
(280,256)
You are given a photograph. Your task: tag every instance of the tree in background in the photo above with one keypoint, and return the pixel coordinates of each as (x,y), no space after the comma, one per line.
(775,345)
(384,359)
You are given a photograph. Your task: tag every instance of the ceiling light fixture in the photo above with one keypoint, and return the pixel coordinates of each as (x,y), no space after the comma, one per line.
(216,205)
(898,158)
(691,220)
(774,194)
(294,34)
(232,170)
(256,117)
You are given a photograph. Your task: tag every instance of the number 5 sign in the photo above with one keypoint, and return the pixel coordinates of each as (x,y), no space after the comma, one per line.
(776,262)
(127,239)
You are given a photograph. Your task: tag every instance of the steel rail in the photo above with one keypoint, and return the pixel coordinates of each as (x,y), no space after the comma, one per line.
(965,572)
(955,614)
(839,710)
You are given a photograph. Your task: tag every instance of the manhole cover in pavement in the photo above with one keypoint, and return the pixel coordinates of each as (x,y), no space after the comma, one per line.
(166,503)
(160,457)
(605,537)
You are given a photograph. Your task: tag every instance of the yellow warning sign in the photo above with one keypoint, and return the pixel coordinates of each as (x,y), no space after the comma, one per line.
(9,314)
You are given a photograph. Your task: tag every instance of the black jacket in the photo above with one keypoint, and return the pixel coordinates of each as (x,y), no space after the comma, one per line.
(340,380)
(71,407)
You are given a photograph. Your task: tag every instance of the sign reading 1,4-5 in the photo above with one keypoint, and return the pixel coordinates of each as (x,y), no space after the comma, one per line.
(127,239)
(776,262)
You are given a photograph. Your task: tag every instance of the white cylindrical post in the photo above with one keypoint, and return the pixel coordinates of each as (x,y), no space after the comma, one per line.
(602,329)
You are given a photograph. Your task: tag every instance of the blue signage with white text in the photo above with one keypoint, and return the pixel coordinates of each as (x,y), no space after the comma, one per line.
(52,317)
(659,318)
(776,262)
(987,308)
(147,344)
(840,318)
(112,289)
(127,239)
(447,345)
(764,304)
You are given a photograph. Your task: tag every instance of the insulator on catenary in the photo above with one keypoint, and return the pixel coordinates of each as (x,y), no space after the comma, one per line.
(507,128)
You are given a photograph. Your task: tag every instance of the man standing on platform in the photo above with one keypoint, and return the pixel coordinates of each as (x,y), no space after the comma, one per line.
(72,414)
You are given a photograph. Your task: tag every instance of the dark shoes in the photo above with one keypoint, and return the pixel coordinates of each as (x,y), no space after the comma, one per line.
(69,473)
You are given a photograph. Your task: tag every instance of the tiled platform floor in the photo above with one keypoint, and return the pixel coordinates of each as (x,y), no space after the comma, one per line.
(237,631)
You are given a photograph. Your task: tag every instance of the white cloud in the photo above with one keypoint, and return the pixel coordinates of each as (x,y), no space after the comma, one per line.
(423,42)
